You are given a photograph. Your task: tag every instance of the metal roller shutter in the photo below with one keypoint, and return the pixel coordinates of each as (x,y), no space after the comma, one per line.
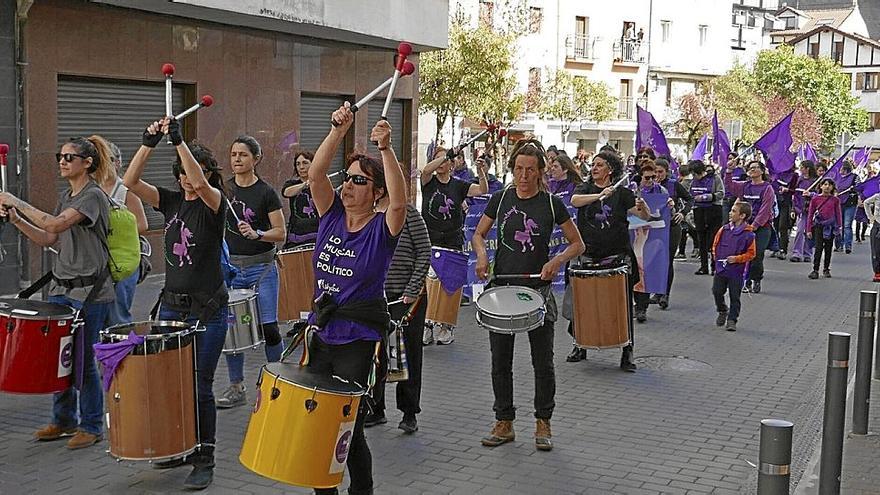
(395,118)
(119,111)
(314,123)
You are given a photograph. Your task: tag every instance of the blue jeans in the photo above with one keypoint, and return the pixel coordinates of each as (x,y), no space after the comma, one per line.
(90,398)
(267,301)
(209,345)
(120,311)
(849,213)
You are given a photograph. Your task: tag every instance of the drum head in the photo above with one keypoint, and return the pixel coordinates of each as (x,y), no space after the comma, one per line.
(160,335)
(510,300)
(238,295)
(304,377)
(35,310)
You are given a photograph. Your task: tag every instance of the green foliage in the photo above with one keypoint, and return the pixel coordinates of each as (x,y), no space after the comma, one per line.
(817,84)
(734,97)
(571,99)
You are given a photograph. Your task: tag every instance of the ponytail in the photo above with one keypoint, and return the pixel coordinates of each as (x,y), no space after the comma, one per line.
(98,149)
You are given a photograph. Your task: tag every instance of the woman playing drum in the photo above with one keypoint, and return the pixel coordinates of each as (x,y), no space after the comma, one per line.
(194,287)
(602,222)
(353,251)
(302,227)
(526,215)
(254,224)
(80,277)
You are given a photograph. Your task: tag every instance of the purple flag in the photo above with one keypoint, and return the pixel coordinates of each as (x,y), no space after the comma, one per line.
(720,143)
(649,133)
(776,146)
(700,150)
(450,266)
(870,187)
(806,152)
(861,157)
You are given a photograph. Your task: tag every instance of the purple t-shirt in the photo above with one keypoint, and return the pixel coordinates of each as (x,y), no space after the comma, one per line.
(351,267)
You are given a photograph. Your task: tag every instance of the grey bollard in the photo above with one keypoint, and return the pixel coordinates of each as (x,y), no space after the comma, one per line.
(774,457)
(864,355)
(835,413)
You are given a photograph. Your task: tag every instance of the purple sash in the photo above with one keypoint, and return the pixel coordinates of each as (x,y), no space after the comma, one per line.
(111,355)
(450,267)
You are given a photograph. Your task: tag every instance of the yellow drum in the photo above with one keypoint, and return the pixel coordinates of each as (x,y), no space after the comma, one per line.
(301,427)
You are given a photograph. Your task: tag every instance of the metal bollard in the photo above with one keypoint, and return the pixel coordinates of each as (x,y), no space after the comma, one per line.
(835,413)
(774,457)
(864,355)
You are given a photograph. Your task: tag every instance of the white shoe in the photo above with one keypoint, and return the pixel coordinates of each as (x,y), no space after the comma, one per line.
(445,336)
(428,335)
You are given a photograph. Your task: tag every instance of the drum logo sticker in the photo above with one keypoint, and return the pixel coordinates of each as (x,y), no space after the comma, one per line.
(524,296)
(246,319)
(343,444)
(65,356)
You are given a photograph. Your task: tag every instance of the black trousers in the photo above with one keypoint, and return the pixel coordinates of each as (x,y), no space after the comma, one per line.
(408,391)
(707,222)
(822,245)
(733,287)
(541,343)
(875,247)
(783,224)
(351,361)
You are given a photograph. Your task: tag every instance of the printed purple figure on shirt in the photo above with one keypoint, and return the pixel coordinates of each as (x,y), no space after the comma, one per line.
(181,249)
(603,215)
(524,237)
(445,207)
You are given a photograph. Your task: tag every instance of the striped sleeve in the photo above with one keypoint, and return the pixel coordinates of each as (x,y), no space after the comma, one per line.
(409,258)
(422,250)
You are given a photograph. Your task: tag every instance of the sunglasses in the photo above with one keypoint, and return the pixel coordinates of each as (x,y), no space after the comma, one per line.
(648,177)
(360,180)
(68,157)
(754,167)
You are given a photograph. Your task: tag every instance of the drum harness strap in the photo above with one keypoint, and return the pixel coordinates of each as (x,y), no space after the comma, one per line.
(498,211)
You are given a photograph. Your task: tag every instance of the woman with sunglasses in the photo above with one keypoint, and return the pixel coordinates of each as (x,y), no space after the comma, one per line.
(707,191)
(525,214)
(353,251)
(603,223)
(254,224)
(79,279)
(758,192)
(442,198)
(195,217)
(302,227)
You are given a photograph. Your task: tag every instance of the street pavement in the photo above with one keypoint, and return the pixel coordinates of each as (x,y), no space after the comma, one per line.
(686,423)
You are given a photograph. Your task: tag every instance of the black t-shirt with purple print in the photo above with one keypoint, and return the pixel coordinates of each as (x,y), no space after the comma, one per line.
(251,204)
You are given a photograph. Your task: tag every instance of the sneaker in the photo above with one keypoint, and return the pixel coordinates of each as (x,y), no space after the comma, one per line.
(375,419)
(813,275)
(501,433)
(795,259)
(445,336)
(826,273)
(641,316)
(542,435)
(807,259)
(782,255)
(576,355)
(731,325)
(756,286)
(626,363)
(409,424)
(428,335)
(655,299)
(53,432)
(233,396)
(465,301)
(200,478)
(747,287)
(664,301)
(722,317)
(83,439)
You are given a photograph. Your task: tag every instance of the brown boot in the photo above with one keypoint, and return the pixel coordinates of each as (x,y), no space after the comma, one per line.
(82,439)
(542,435)
(53,432)
(501,433)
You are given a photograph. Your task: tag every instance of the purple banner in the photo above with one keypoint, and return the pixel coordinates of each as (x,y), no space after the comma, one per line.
(475,208)
(451,268)
(650,243)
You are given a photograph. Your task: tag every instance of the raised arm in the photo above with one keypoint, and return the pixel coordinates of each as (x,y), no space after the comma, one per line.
(320,185)
(132,179)
(395,184)
(210,195)
(483,186)
(432,166)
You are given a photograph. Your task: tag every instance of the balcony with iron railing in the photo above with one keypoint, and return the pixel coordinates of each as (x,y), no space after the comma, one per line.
(630,52)
(580,47)
(626,106)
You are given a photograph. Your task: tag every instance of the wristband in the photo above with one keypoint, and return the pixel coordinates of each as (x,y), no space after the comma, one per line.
(381,148)
(260,234)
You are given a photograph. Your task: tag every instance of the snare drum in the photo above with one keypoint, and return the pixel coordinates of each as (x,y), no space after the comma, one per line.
(301,427)
(600,307)
(244,330)
(151,413)
(36,346)
(510,309)
(296,276)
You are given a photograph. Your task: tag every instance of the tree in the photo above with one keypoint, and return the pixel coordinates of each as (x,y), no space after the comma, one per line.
(571,99)
(815,83)
(694,116)
(734,97)
(805,125)
(441,78)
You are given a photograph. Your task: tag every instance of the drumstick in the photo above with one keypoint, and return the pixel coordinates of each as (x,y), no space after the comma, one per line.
(408,69)
(206,101)
(229,203)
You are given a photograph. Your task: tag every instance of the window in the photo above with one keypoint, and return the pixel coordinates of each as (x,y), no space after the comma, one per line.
(704,34)
(487,12)
(837,52)
(872,81)
(533,94)
(581,26)
(874,120)
(814,49)
(791,23)
(666,30)
(824,22)
(536,16)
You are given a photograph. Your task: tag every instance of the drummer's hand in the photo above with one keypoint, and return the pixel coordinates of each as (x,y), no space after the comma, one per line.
(409,299)
(677,218)
(550,269)
(10,213)
(731,259)
(482,269)
(246,230)
(381,134)
(7,199)
(608,191)
(641,204)
(343,118)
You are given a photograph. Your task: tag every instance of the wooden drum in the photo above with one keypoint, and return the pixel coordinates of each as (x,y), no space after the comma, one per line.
(600,307)
(296,277)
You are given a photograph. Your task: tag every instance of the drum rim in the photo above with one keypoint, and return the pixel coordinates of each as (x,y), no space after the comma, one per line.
(8,312)
(363,390)
(460,251)
(508,331)
(155,459)
(579,272)
(543,307)
(187,329)
(253,295)
(297,249)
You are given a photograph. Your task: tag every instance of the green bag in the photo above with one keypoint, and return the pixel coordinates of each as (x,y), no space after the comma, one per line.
(122,241)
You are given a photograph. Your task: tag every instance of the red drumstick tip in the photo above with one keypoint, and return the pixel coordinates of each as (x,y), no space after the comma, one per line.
(4,148)
(502,133)
(408,68)
(207,100)
(491,127)
(168,69)
(404,49)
